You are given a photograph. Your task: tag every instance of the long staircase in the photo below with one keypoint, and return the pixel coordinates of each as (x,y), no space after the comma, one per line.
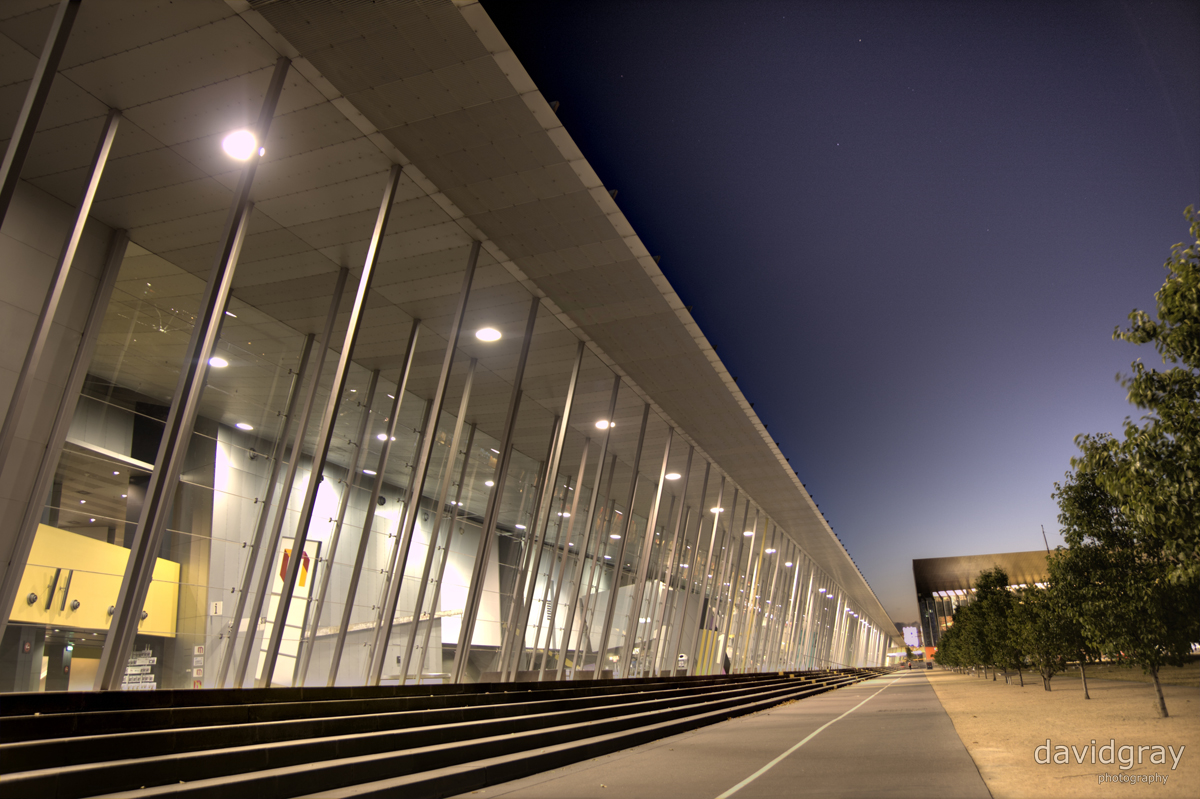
(412,741)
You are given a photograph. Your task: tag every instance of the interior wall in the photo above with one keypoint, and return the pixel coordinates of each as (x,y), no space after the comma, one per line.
(31,239)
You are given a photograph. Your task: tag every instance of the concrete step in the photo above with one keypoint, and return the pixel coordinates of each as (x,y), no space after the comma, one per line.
(76,750)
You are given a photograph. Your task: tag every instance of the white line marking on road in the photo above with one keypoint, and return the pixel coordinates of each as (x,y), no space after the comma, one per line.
(808,738)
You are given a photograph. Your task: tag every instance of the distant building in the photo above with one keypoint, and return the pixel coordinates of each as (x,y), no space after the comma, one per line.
(943,584)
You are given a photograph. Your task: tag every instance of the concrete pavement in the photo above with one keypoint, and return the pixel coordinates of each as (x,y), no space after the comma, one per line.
(884,737)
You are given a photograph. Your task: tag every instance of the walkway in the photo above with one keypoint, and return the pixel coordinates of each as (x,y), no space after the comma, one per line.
(883,737)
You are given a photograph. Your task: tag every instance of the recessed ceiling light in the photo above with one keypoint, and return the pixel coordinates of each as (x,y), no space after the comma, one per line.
(673,476)
(615,537)
(788,564)
(604,424)
(487,334)
(608,557)
(748,533)
(244,426)
(683,565)
(382,436)
(371,472)
(124,496)
(91,520)
(116,472)
(770,552)
(489,483)
(717,510)
(217,363)
(240,144)
(83,502)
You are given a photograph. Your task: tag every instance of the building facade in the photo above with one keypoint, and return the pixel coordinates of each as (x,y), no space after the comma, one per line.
(332,361)
(945,584)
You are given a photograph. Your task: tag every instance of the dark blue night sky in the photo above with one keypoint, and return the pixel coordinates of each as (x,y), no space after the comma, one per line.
(909,228)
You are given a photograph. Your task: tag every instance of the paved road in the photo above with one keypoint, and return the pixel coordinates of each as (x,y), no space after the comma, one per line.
(887,737)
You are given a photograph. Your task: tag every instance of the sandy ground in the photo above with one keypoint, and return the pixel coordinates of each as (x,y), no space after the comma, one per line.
(1002,725)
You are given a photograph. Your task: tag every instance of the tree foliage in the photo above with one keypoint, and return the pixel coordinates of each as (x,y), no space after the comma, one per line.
(1153,470)
(1126,594)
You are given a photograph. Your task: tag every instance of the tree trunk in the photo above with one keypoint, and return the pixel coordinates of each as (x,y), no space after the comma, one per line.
(1083,673)
(1021,677)
(1162,705)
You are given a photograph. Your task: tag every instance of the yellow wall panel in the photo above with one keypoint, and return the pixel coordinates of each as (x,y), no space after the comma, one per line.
(95,569)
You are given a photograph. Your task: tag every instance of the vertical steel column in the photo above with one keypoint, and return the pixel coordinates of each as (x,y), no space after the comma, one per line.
(420,471)
(632,621)
(486,533)
(437,583)
(35,101)
(376,488)
(589,528)
(681,596)
(562,569)
(328,421)
(277,456)
(670,565)
(58,282)
(786,600)
(763,628)
(267,567)
(307,643)
(389,571)
(703,609)
(735,579)
(525,584)
(440,511)
(529,545)
(611,609)
(738,660)
(591,599)
(718,605)
(42,483)
(181,418)
(550,569)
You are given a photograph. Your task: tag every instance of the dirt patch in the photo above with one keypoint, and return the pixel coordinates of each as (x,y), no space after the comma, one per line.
(1002,726)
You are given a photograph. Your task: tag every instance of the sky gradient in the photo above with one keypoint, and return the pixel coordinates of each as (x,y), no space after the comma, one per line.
(908,228)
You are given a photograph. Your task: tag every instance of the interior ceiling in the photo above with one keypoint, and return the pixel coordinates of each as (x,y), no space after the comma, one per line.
(431,85)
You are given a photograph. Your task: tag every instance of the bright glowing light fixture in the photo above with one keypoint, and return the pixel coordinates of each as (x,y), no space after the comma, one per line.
(519,526)
(821,590)
(748,533)
(244,426)
(770,552)
(673,476)
(716,510)
(240,144)
(489,483)
(615,537)
(788,564)
(487,334)
(604,424)
(371,472)
(382,436)
(217,363)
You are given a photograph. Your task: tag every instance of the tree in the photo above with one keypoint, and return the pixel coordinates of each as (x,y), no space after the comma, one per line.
(1070,575)
(1129,601)
(1153,472)
(1039,622)
(995,615)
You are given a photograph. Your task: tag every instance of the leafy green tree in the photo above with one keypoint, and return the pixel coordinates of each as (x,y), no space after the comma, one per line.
(1039,623)
(1153,471)
(995,612)
(1132,604)
(1069,578)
